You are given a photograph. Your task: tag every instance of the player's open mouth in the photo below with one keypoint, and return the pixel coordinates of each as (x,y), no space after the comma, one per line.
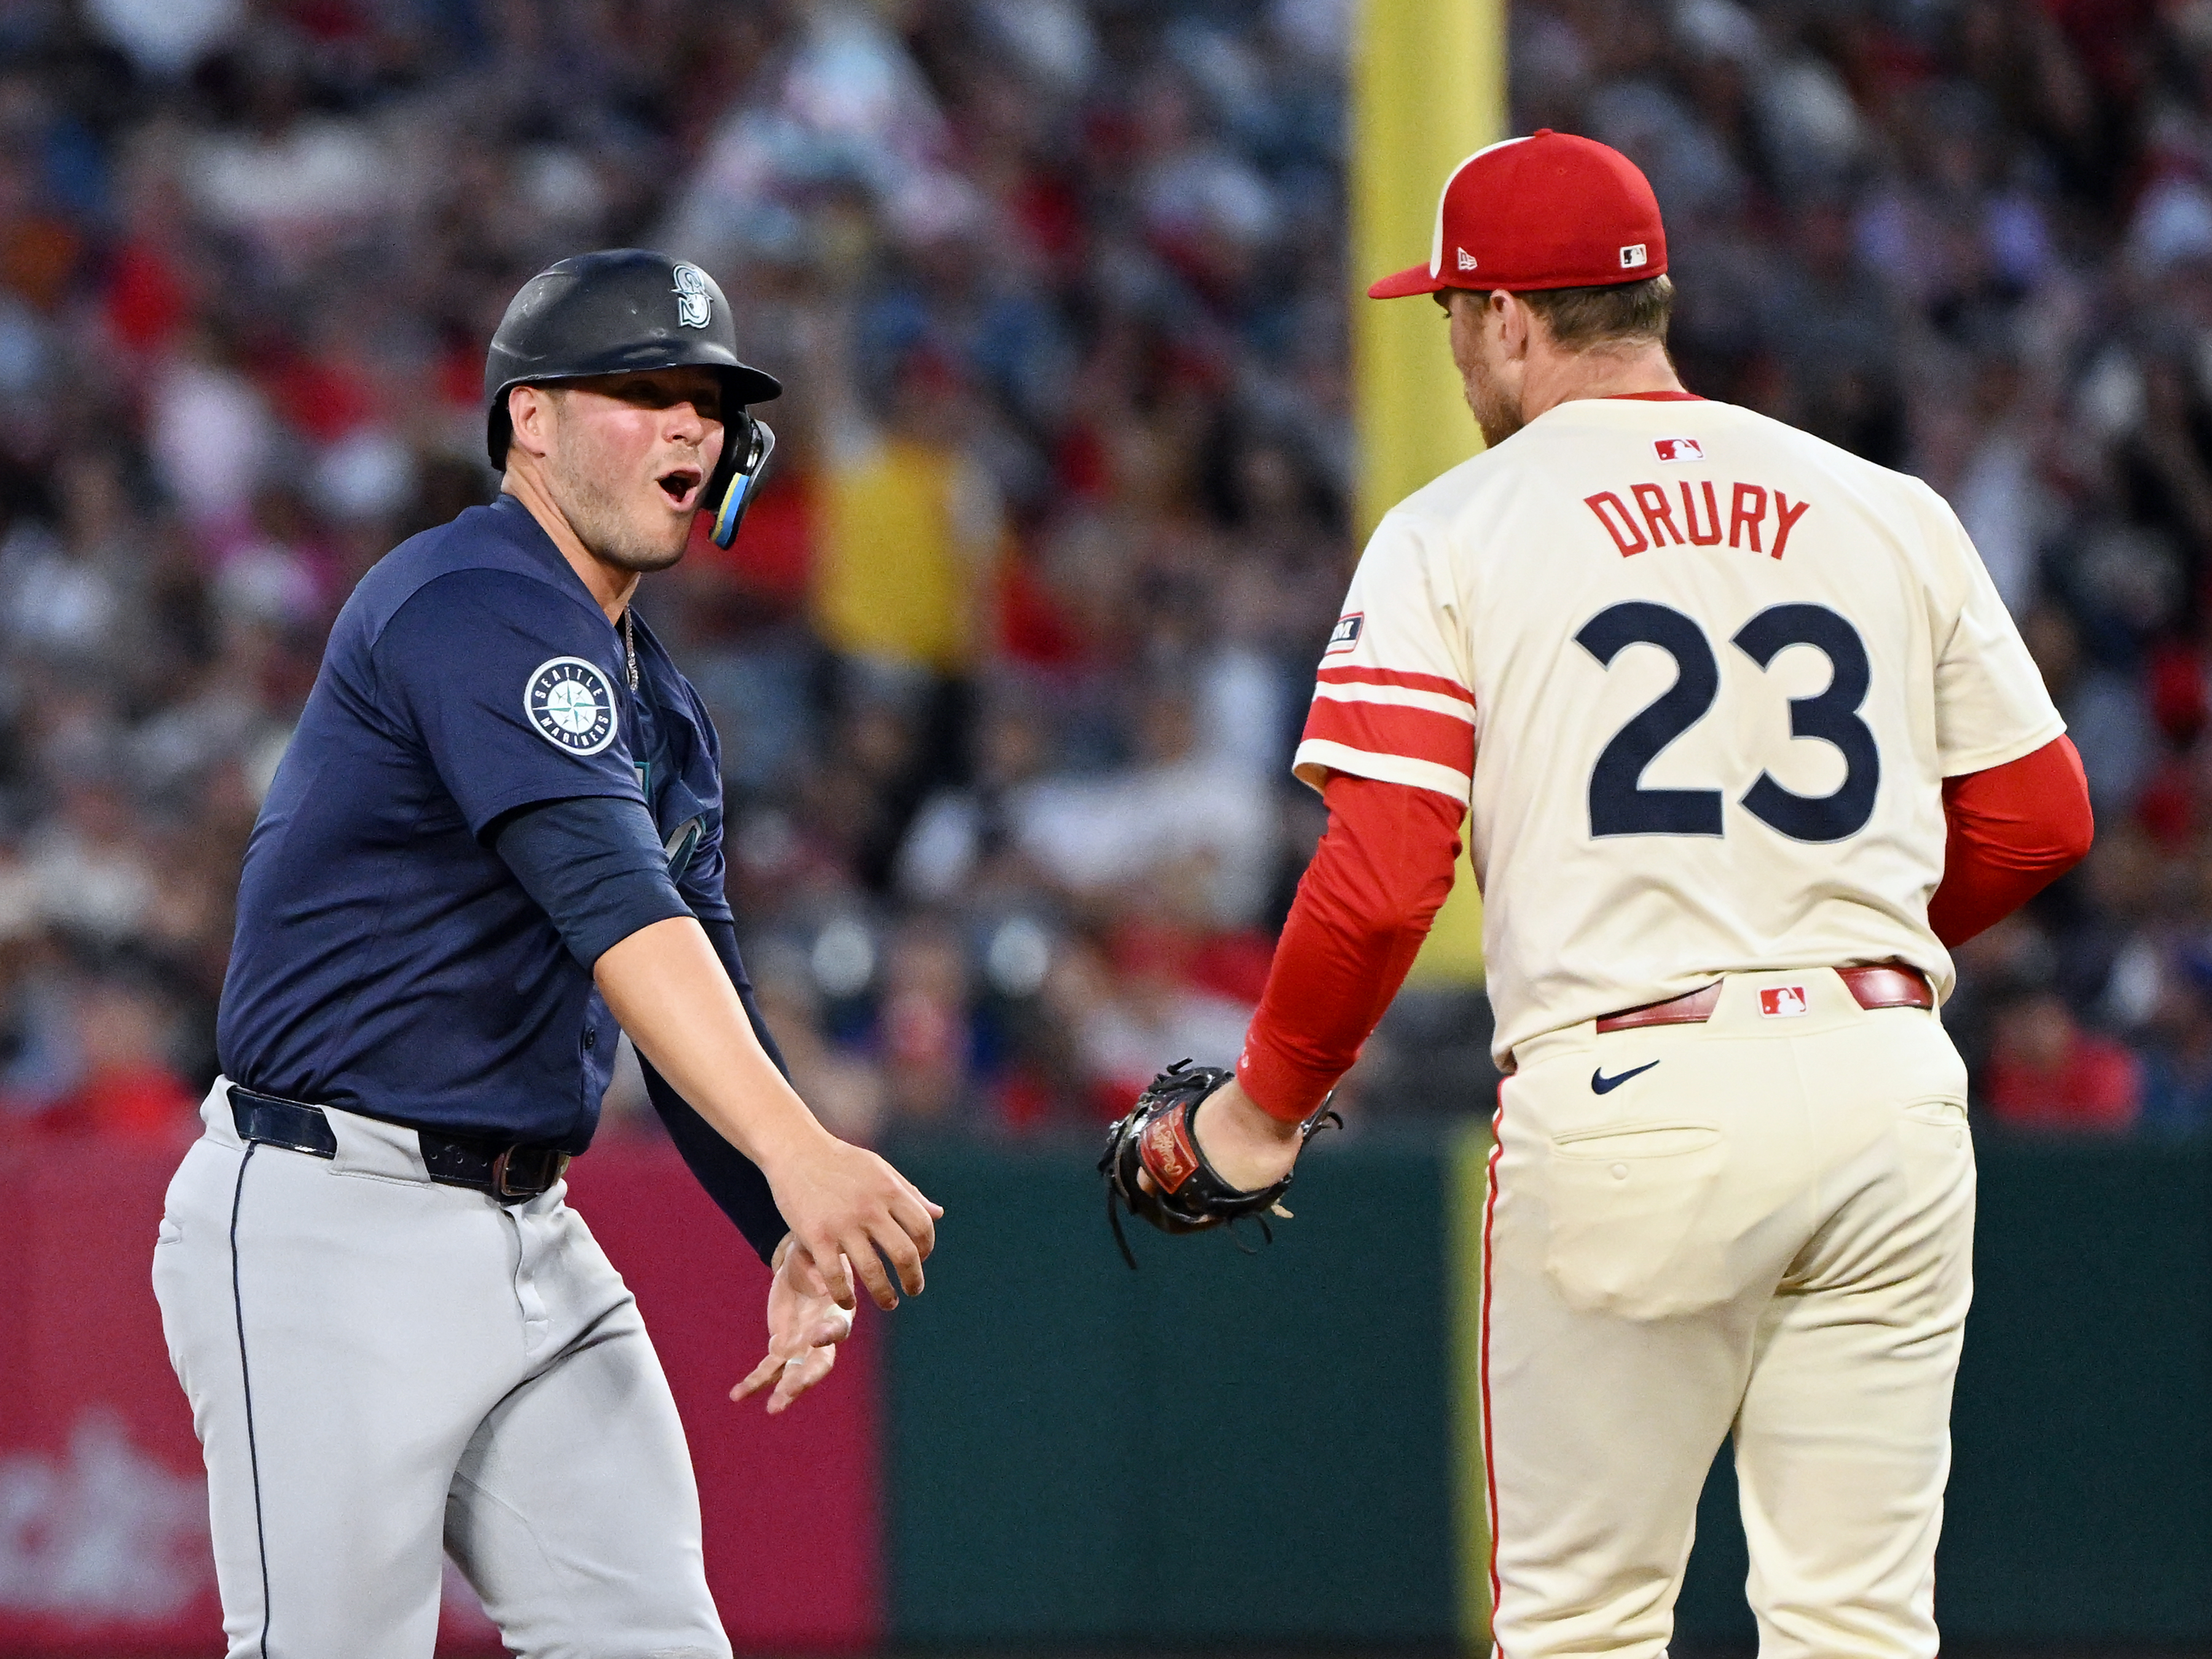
(681,485)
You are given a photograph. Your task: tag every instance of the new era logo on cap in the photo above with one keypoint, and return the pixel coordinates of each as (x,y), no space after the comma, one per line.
(1634,255)
(1782,1002)
(1678,449)
(1465,261)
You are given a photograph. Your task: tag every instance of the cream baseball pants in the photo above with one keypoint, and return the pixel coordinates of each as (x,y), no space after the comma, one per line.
(383,1369)
(1766,1232)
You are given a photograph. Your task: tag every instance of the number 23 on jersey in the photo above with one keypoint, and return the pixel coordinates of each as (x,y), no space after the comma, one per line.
(1619,805)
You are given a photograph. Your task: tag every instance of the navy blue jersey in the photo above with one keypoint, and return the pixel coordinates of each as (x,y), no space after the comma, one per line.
(387,960)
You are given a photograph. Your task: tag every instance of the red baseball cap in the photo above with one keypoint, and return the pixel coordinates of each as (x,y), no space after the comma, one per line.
(1550,210)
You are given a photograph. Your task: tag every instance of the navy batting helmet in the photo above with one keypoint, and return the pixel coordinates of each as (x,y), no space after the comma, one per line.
(626,311)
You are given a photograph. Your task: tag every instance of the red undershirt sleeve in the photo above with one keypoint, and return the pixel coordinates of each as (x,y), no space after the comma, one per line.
(1385,866)
(1363,909)
(2015,829)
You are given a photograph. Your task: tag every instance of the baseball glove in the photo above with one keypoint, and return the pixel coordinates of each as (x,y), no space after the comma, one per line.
(1185,1194)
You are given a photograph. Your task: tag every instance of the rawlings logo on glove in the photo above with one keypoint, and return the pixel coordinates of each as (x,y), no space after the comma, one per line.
(1167,1152)
(1184,1194)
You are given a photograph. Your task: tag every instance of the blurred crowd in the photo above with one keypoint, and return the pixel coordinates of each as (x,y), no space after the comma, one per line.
(1010,658)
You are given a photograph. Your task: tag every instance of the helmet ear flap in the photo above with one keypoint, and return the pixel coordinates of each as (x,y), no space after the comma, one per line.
(745,449)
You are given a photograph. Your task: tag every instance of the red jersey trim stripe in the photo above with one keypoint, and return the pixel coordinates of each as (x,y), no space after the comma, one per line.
(1382,729)
(1435,682)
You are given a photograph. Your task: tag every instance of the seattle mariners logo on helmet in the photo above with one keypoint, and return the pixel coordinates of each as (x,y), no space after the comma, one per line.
(695,304)
(571,702)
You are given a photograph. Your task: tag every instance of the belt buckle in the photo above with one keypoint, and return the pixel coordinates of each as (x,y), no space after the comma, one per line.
(550,1162)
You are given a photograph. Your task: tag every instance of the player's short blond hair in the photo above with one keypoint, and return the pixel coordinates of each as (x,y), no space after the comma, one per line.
(1618,313)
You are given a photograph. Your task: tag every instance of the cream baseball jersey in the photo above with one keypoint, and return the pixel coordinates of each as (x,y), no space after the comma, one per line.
(1699,677)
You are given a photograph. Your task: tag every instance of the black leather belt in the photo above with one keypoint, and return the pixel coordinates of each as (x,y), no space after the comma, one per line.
(508,1172)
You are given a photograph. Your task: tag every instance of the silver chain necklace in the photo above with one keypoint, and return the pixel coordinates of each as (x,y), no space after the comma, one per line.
(629,647)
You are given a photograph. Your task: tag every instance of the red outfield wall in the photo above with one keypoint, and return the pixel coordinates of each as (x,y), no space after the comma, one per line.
(103,1530)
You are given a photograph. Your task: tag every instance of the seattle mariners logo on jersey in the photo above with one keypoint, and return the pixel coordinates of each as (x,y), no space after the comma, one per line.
(572,704)
(694,304)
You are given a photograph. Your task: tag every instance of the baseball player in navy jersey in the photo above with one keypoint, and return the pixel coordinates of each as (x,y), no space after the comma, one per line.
(1742,739)
(495,843)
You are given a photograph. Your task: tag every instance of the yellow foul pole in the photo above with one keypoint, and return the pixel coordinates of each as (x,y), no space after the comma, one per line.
(1428,91)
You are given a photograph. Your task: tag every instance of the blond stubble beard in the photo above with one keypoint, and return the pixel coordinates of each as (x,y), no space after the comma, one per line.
(1497,415)
(597,516)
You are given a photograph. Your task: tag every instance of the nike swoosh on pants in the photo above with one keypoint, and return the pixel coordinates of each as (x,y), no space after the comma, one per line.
(1602,1085)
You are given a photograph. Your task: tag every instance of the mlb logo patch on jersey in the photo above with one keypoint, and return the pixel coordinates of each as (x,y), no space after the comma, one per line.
(1678,449)
(571,703)
(1783,1002)
(1346,634)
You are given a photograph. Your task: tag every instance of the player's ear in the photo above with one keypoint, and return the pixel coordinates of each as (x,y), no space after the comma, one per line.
(1516,322)
(530,414)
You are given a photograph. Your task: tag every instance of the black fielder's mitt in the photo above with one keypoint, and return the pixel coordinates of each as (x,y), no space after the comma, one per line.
(1185,1194)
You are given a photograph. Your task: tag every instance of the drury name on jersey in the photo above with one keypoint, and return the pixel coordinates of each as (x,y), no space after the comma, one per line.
(1747,515)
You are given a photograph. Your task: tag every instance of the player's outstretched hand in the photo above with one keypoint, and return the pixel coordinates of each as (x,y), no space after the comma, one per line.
(805,1326)
(850,1212)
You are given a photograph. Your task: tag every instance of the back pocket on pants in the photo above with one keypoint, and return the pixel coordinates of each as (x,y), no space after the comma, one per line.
(1625,1205)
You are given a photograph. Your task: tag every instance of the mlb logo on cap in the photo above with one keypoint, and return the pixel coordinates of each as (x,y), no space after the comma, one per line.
(1783,1002)
(1678,449)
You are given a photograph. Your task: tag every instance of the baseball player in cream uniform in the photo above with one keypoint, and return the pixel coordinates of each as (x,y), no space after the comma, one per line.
(1730,715)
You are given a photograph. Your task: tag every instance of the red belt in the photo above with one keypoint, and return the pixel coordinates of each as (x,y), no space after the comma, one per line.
(1878,985)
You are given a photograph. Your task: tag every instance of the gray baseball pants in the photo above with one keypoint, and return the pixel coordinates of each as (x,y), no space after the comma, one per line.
(383,1371)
